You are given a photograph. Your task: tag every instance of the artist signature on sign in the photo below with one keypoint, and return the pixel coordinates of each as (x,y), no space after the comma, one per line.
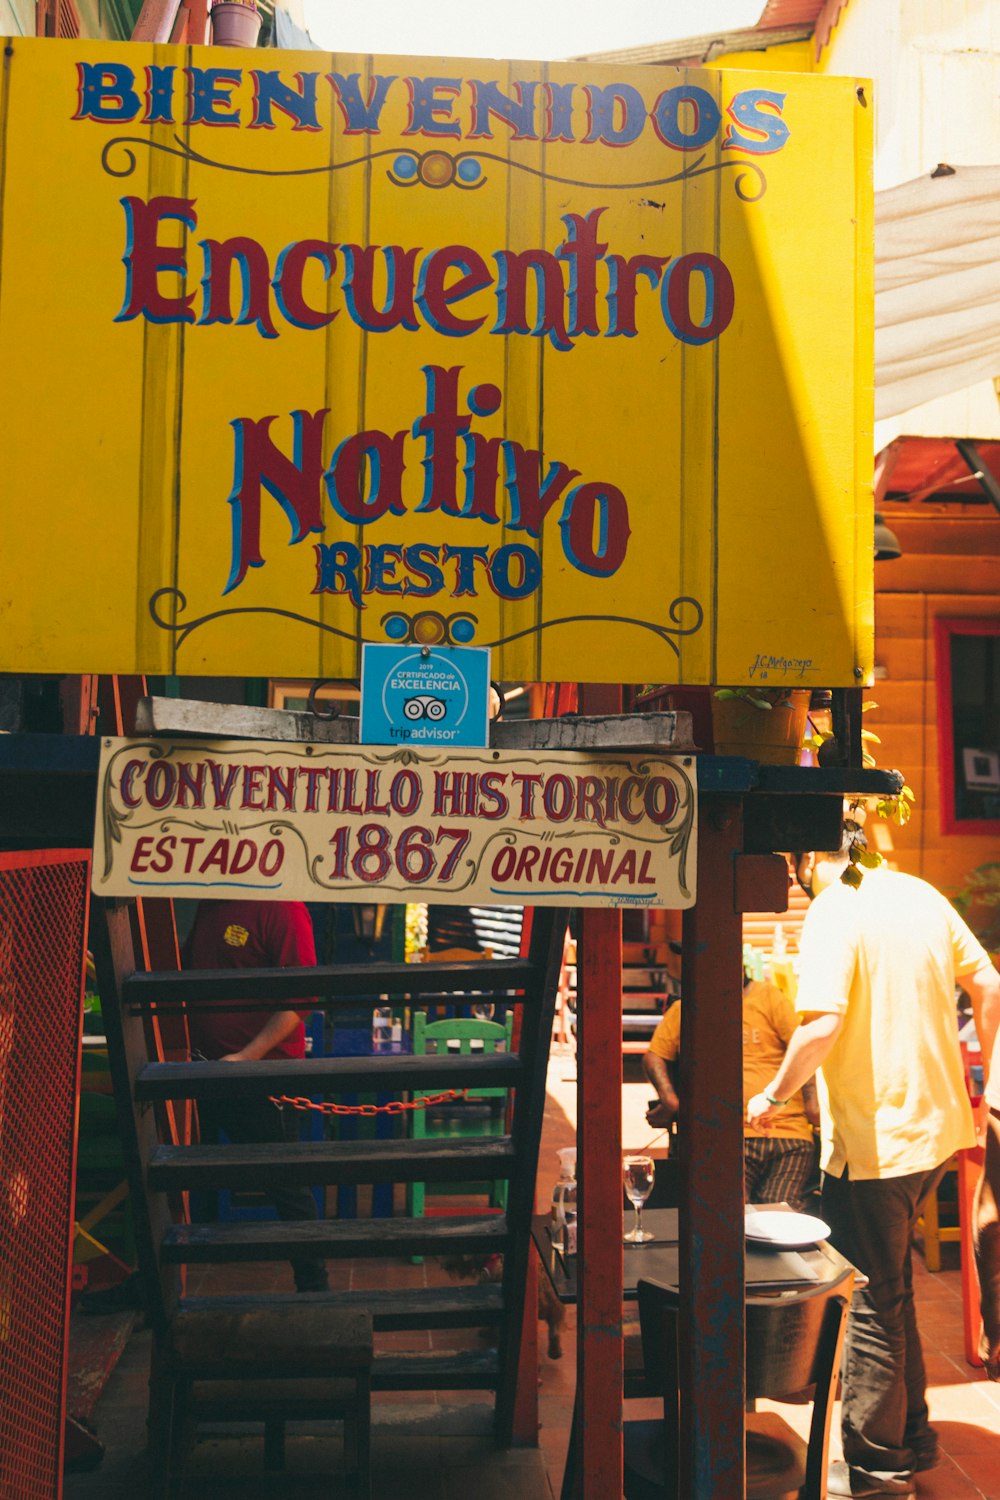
(764,665)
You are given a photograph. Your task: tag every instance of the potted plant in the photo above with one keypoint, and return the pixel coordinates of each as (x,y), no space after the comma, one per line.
(235,23)
(764,724)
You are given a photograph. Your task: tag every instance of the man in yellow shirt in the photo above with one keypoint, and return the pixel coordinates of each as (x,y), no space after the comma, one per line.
(877,977)
(777,1162)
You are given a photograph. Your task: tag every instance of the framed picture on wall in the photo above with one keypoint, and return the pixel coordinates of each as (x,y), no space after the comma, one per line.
(967,651)
(982,769)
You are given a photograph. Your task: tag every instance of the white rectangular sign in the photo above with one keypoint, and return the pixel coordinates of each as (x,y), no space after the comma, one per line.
(286,821)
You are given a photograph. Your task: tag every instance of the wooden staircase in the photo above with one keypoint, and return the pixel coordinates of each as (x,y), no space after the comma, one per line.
(647,987)
(160,1173)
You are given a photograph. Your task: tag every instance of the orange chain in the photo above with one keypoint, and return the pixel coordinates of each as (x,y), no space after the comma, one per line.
(394,1107)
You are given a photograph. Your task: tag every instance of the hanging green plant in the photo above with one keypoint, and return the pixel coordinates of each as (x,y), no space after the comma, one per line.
(893,809)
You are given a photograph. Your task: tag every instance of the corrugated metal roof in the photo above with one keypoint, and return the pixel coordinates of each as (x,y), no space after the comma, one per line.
(821,15)
(915,469)
(691,52)
(781,21)
(790,13)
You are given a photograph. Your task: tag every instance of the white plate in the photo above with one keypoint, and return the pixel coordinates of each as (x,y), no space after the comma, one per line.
(779,1227)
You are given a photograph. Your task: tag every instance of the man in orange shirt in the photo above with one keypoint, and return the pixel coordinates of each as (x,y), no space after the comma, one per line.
(777,1162)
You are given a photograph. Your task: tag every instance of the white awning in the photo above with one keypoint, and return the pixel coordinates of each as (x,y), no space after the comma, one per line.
(937,286)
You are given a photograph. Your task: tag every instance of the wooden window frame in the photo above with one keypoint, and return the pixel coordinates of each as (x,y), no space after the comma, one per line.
(57,18)
(344,694)
(945,627)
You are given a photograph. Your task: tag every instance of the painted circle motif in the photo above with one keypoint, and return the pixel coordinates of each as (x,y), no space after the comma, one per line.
(397,627)
(428,630)
(463,630)
(406,167)
(437,169)
(468,170)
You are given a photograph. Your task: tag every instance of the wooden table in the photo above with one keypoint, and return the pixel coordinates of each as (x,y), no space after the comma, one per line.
(767,1270)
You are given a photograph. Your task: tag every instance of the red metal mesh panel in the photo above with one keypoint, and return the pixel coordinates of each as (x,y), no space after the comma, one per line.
(43,920)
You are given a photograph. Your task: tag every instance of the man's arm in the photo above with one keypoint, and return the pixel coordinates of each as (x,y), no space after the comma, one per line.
(983,989)
(273,1032)
(665,1111)
(806,1051)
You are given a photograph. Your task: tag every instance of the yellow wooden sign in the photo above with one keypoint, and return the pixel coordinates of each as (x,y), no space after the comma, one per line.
(299,352)
(269,821)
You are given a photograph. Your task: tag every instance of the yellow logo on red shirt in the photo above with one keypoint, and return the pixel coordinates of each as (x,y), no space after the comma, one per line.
(235,936)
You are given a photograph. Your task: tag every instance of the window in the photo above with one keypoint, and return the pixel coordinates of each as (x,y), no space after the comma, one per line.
(968,685)
(294,695)
(57,18)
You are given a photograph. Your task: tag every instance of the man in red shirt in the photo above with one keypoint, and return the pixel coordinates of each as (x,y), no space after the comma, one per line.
(255,935)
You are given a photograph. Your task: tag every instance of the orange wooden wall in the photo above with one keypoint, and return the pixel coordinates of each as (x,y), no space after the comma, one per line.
(950,567)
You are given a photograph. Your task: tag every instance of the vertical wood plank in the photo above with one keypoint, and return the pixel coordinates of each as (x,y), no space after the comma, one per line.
(599,1172)
(537,1018)
(526,1394)
(597,1421)
(114,957)
(713,1314)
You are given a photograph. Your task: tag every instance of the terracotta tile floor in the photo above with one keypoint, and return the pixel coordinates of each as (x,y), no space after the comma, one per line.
(437,1444)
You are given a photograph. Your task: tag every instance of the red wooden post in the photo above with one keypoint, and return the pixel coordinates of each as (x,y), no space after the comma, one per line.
(599,1171)
(600,1268)
(712,1319)
(526,1397)
(970,1164)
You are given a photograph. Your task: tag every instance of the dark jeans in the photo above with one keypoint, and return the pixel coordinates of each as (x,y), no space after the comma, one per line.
(252,1121)
(884,1422)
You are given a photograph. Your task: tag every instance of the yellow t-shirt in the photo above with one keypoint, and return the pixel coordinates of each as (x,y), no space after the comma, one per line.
(768,1022)
(886,956)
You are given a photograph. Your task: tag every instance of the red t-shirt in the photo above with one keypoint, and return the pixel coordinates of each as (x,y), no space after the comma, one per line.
(247,935)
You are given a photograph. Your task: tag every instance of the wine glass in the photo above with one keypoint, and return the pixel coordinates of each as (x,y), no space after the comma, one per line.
(638,1175)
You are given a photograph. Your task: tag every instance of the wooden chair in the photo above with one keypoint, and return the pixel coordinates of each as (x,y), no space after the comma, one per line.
(457,1036)
(970,1166)
(261,1364)
(453,955)
(929,1226)
(792,1344)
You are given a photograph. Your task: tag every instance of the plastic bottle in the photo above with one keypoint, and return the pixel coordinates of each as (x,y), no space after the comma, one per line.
(382,1025)
(564,1202)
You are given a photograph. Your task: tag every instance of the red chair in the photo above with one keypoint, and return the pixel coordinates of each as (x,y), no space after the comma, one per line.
(970,1165)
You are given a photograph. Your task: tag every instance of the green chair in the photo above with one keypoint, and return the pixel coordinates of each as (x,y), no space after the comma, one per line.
(459,1118)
